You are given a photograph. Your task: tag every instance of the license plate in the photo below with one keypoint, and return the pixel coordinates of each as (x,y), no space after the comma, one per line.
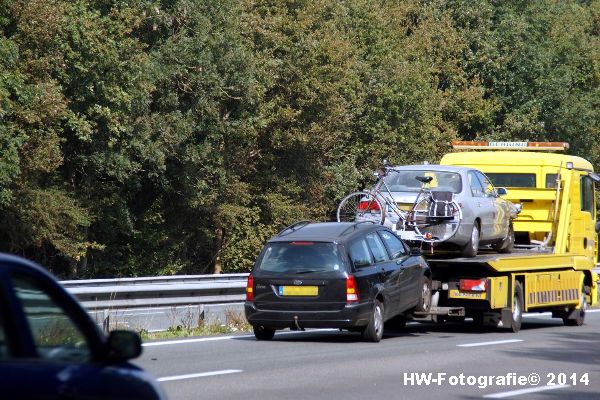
(457,294)
(298,290)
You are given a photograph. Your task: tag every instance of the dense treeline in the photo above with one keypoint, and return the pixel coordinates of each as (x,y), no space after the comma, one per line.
(145,137)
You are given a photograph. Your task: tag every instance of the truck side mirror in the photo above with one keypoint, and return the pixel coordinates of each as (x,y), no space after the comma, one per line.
(501,191)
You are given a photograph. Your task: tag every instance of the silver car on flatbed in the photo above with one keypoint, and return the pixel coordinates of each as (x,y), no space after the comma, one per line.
(486,216)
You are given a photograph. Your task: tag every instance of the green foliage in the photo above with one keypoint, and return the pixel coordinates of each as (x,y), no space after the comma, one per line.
(149,137)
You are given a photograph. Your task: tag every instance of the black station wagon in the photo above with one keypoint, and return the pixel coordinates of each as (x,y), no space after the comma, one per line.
(343,275)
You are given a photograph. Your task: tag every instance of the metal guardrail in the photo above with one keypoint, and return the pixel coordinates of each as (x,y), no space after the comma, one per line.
(161,291)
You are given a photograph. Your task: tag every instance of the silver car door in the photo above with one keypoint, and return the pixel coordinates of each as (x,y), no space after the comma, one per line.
(499,226)
(481,206)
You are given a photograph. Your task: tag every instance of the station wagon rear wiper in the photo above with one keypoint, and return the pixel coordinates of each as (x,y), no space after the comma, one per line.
(306,271)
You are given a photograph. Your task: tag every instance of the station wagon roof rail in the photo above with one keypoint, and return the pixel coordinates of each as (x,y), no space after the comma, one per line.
(294,227)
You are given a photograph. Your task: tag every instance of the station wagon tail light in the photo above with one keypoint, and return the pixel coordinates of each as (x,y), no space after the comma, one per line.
(250,288)
(351,290)
(368,205)
(474,285)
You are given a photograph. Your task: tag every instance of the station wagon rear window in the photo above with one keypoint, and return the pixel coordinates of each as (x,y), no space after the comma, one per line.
(512,180)
(405,181)
(300,257)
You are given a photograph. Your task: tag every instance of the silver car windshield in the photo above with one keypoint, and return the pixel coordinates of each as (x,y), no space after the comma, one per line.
(405,181)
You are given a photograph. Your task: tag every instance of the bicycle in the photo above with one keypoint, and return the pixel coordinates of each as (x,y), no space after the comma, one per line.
(433,217)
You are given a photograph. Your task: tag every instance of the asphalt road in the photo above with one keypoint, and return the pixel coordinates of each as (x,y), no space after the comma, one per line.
(338,365)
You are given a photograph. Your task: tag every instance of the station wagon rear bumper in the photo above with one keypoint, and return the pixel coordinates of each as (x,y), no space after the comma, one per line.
(351,316)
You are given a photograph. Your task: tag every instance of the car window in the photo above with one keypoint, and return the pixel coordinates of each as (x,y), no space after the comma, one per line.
(476,188)
(488,188)
(394,245)
(300,257)
(55,335)
(359,253)
(377,247)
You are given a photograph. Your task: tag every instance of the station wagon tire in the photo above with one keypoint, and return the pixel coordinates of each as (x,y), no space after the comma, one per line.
(262,333)
(507,244)
(424,304)
(517,308)
(397,323)
(470,249)
(579,320)
(347,209)
(373,332)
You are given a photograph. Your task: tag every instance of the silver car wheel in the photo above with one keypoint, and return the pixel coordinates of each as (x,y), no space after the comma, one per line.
(475,237)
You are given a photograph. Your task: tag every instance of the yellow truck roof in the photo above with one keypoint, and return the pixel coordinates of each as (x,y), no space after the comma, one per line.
(516,158)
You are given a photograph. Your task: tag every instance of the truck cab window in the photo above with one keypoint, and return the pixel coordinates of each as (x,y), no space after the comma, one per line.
(587,195)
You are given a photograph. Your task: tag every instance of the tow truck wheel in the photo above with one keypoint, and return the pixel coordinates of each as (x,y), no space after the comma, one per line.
(517,308)
(580,318)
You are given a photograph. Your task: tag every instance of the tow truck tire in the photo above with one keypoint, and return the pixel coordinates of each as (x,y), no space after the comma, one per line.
(580,318)
(517,308)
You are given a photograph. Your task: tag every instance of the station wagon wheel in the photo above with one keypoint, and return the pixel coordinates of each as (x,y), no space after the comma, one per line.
(361,206)
(471,248)
(424,304)
(517,308)
(373,332)
(262,333)
(580,318)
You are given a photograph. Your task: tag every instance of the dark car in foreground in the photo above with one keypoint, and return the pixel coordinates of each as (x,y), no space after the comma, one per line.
(353,276)
(50,348)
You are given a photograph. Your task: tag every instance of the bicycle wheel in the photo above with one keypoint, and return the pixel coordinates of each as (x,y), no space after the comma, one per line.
(361,206)
(435,220)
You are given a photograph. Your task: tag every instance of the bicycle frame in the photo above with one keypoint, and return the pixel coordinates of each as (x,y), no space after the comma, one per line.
(404,216)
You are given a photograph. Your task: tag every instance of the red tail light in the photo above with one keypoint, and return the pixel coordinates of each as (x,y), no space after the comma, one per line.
(474,285)
(351,290)
(250,288)
(368,205)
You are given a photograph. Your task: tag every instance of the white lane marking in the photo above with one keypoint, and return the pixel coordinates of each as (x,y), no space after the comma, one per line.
(216,338)
(182,341)
(512,393)
(199,375)
(592,311)
(489,343)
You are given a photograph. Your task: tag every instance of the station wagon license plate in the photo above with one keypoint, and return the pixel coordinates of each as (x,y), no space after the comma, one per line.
(298,290)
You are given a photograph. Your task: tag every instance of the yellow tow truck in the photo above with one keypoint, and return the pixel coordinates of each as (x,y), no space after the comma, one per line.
(556,239)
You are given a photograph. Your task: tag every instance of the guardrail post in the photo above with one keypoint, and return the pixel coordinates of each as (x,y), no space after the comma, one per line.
(106,320)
